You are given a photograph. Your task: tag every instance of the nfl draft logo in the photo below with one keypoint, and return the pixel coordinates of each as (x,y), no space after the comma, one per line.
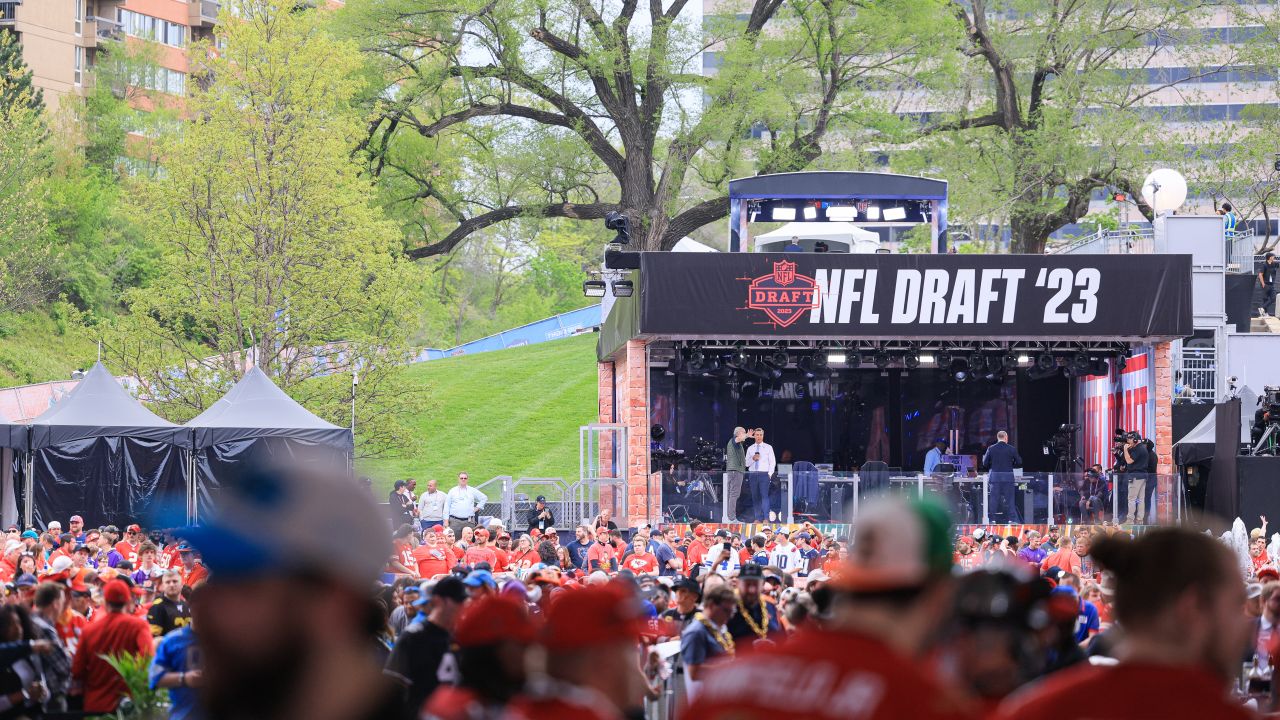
(783,295)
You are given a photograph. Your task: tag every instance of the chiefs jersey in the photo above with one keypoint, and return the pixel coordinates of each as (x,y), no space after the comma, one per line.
(128,552)
(1127,690)
(825,674)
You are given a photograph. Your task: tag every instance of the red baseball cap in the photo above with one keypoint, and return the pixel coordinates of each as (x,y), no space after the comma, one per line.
(592,617)
(134,529)
(116,592)
(492,619)
(534,532)
(437,529)
(700,530)
(76,518)
(482,533)
(1268,573)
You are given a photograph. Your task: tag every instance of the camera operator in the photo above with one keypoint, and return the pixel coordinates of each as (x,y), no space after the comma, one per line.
(1094,498)
(735,469)
(1135,455)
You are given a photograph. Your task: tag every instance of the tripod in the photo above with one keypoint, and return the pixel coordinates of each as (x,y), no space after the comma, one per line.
(1267,444)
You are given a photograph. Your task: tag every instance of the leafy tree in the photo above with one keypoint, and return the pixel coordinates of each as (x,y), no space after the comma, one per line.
(273,253)
(1043,115)
(611,102)
(26,255)
(15,76)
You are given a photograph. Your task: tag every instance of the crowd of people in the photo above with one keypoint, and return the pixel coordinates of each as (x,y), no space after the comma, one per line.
(299,599)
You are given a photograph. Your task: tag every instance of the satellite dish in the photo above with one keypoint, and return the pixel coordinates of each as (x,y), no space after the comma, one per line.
(1164,190)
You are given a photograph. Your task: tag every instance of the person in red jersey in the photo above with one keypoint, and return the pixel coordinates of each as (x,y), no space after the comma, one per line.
(865,661)
(1183,637)
(592,672)
(492,637)
(128,547)
(697,549)
(432,557)
(479,551)
(524,556)
(402,563)
(600,555)
(641,561)
(117,631)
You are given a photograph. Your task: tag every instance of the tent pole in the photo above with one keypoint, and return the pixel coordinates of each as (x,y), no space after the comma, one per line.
(191,486)
(28,499)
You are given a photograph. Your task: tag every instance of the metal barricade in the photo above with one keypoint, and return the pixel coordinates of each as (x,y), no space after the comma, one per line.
(1199,372)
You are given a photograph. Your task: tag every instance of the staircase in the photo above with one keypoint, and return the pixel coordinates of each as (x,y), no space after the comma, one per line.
(1265,324)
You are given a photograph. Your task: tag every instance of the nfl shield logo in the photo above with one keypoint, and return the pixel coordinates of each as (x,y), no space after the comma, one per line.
(784,273)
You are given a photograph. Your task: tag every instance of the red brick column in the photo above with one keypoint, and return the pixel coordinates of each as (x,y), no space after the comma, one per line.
(1164,429)
(624,399)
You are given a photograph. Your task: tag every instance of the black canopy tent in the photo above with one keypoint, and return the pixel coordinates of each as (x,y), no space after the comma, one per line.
(99,453)
(254,422)
(13,442)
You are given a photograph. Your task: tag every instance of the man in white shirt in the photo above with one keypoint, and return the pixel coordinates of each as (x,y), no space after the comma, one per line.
(431,506)
(760,467)
(462,503)
(785,556)
(721,557)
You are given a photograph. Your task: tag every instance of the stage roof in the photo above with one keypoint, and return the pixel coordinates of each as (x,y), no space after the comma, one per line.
(774,297)
(838,185)
(255,407)
(100,407)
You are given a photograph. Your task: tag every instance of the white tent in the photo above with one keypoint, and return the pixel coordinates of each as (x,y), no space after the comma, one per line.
(688,244)
(839,237)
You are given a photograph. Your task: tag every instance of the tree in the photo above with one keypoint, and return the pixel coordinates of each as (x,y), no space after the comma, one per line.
(612,98)
(16,76)
(273,253)
(1052,106)
(26,254)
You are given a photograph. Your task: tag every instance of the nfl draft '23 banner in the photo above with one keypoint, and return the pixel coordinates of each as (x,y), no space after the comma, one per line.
(1130,297)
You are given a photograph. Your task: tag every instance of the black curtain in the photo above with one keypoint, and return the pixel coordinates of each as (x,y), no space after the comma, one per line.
(217,464)
(110,480)
(1222,496)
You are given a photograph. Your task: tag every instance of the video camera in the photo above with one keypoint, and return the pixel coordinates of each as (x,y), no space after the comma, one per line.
(1062,440)
(1269,402)
(706,455)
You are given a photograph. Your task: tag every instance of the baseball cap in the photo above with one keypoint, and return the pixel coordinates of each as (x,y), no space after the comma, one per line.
(111,529)
(688,584)
(493,619)
(540,498)
(134,529)
(722,533)
(1268,573)
(76,518)
(116,592)
(1253,590)
(302,504)
(26,580)
(478,578)
(54,524)
(591,617)
(437,529)
(899,544)
(482,534)
(700,531)
(62,563)
(751,571)
(449,587)
(30,534)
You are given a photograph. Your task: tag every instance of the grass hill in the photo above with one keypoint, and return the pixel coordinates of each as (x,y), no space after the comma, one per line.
(35,347)
(510,412)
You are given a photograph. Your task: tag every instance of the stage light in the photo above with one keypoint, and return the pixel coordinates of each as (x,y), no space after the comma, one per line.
(810,212)
(770,371)
(1046,361)
(1121,361)
(623,288)
(820,360)
(994,364)
(835,358)
(1024,359)
(1080,364)
(873,212)
(912,360)
(780,359)
(842,214)
(783,214)
(945,359)
(698,357)
(1009,361)
(895,214)
(1098,366)
(806,366)
(882,359)
(855,360)
(961,376)
(593,288)
(927,359)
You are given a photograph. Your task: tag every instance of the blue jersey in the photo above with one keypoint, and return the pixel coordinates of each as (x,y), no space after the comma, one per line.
(177,652)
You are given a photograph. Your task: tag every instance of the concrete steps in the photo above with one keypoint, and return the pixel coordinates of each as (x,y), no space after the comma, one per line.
(1265,324)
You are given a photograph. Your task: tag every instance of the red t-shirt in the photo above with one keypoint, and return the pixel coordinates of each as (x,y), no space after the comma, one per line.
(128,552)
(111,634)
(431,561)
(524,561)
(504,558)
(70,626)
(601,554)
(402,552)
(1127,690)
(478,553)
(641,563)
(826,674)
(197,573)
(693,556)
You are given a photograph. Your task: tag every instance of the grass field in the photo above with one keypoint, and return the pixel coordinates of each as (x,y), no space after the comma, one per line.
(34,348)
(511,412)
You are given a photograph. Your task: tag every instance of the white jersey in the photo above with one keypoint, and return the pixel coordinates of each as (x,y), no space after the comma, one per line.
(787,560)
(730,566)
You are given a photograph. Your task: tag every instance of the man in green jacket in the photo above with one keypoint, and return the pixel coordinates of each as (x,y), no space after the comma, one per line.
(735,465)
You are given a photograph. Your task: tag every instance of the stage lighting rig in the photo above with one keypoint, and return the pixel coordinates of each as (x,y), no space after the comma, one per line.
(806,366)
(779,359)
(1046,361)
(820,360)
(882,359)
(912,360)
(853,359)
(1009,361)
(1080,364)
(594,288)
(944,358)
(623,288)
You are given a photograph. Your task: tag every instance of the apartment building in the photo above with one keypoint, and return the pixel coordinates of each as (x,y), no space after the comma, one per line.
(61,39)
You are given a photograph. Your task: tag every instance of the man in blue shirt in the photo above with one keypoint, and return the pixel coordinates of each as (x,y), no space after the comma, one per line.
(579,547)
(933,458)
(174,667)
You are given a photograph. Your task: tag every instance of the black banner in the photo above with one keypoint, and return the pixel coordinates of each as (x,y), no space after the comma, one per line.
(812,295)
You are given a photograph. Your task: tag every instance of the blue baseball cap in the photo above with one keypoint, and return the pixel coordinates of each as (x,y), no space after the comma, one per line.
(30,534)
(478,578)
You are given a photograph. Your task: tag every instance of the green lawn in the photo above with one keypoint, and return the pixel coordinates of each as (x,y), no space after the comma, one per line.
(34,348)
(512,412)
